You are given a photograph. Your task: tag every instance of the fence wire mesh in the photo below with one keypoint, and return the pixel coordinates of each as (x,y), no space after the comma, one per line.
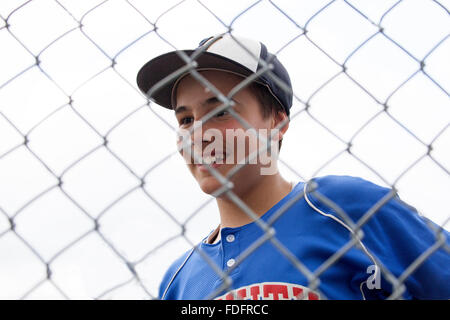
(95,201)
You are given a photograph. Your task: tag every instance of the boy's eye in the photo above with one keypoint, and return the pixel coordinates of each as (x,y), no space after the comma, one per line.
(185,120)
(188,120)
(222,113)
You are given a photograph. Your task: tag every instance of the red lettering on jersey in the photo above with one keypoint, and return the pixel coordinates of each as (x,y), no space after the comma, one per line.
(229,296)
(275,290)
(254,292)
(313,296)
(298,292)
(271,290)
(242,293)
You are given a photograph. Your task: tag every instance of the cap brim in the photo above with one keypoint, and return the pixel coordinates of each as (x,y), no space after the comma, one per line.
(170,63)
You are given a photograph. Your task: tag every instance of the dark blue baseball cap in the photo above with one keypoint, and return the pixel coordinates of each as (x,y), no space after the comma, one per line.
(226,52)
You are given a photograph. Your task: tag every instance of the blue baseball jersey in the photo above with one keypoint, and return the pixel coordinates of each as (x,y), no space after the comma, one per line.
(315,238)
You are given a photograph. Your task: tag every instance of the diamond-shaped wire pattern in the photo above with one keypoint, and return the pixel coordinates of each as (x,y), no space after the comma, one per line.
(94,199)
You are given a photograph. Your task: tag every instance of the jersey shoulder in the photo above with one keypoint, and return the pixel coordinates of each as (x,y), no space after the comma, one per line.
(172,272)
(344,186)
(356,197)
(353,195)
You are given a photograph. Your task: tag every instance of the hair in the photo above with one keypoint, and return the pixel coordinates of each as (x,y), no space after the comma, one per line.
(268,103)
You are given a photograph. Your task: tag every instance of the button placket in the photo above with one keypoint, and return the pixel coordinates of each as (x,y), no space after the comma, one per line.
(230,250)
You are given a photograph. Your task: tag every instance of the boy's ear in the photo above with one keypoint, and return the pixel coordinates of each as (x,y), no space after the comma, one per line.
(281,119)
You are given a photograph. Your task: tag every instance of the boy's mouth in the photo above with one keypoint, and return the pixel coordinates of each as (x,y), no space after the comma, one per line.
(214,160)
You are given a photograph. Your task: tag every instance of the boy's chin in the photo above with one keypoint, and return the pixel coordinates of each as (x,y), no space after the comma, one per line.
(209,185)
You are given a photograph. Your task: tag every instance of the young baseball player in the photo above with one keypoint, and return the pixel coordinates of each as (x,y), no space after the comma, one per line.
(334,237)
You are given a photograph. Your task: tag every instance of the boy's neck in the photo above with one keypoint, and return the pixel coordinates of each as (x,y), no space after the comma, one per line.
(260,198)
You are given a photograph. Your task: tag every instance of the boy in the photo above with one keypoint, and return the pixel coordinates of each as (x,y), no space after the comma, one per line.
(335,237)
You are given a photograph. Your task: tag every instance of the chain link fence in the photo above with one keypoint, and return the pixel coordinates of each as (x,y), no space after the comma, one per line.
(95,202)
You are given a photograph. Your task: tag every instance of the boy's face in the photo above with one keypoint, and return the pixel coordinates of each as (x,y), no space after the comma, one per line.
(193,102)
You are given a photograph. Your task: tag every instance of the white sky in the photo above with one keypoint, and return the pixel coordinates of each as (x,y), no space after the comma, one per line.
(103,96)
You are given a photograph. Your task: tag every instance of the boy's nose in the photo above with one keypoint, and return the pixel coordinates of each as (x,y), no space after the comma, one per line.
(195,141)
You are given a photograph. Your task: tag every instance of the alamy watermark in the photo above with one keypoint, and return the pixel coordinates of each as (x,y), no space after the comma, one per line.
(374,280)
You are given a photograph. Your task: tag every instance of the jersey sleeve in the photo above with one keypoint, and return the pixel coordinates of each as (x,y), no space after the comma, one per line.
(396,234)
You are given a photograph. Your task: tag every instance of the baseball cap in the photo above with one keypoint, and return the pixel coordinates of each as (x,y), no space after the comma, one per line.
(223,52)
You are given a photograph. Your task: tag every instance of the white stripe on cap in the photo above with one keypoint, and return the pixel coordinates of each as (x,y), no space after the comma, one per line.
(231,49)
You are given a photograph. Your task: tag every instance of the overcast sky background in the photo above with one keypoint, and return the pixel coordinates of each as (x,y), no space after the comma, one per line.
(81,98)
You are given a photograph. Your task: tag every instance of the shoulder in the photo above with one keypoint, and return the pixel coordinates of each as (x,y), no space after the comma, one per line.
(357,198)
(354,196)
(348,189)
(172,272)
(342,185)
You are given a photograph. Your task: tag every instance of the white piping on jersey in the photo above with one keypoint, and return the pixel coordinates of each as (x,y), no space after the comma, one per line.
(175,274)
(350,230)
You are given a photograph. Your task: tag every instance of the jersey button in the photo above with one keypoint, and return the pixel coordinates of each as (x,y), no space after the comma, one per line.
(230,238)
(230,263)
